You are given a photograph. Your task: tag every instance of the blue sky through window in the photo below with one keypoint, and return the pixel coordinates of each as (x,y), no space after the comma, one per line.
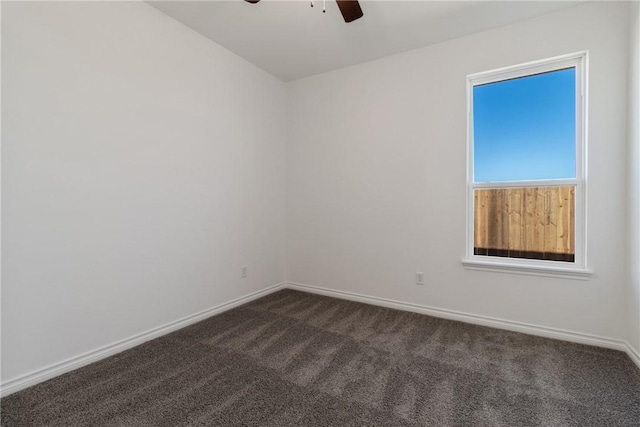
(525,128)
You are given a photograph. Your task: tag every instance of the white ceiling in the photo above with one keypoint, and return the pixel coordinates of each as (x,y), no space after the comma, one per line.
(291,40)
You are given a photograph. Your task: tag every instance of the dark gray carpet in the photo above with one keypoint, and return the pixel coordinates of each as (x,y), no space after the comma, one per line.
(296,359)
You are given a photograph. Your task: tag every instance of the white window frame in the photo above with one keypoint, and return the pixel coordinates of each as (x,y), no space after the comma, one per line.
(577,269)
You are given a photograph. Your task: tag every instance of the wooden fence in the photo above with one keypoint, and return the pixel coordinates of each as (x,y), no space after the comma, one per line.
(532,222)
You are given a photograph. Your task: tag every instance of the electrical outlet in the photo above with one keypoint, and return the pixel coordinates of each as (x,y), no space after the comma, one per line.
(419,278)
(243,272)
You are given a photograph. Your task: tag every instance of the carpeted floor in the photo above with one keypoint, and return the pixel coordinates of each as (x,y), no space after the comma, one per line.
(297,359)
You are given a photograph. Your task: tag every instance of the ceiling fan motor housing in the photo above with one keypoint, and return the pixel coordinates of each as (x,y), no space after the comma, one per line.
(350,9)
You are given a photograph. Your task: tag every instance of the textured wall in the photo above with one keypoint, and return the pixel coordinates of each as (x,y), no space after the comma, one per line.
(370,147)
(634,177)
(142,167)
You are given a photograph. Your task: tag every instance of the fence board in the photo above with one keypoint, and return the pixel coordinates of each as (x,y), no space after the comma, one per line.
(516,226)
(483,230)
(529,219)
(551,228)
(540,216)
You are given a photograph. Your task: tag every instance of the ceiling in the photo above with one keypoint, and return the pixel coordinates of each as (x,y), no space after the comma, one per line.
(291,40)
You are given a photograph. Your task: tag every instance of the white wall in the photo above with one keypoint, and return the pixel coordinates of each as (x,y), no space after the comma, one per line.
(376,176)
(142,166)
(634,177)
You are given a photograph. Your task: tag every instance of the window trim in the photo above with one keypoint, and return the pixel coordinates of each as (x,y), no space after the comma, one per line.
(577,269)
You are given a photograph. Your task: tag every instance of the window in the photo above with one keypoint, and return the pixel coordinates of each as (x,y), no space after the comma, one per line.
(526,168)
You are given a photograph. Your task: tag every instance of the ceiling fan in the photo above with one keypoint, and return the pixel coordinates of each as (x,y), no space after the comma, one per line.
(350,9)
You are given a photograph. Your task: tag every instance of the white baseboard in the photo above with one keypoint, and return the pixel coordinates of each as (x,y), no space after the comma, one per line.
(633,355)
(40,375)
(526,328)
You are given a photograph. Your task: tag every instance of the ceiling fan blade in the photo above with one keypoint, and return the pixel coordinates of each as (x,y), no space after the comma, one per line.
(350,9)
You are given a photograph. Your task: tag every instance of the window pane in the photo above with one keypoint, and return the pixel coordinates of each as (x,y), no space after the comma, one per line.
(525,128)
(532,222)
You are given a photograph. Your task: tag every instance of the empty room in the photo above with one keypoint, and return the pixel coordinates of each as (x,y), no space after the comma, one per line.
(320,213)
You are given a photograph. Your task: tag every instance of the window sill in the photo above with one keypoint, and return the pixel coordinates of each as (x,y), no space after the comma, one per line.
(544,270)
